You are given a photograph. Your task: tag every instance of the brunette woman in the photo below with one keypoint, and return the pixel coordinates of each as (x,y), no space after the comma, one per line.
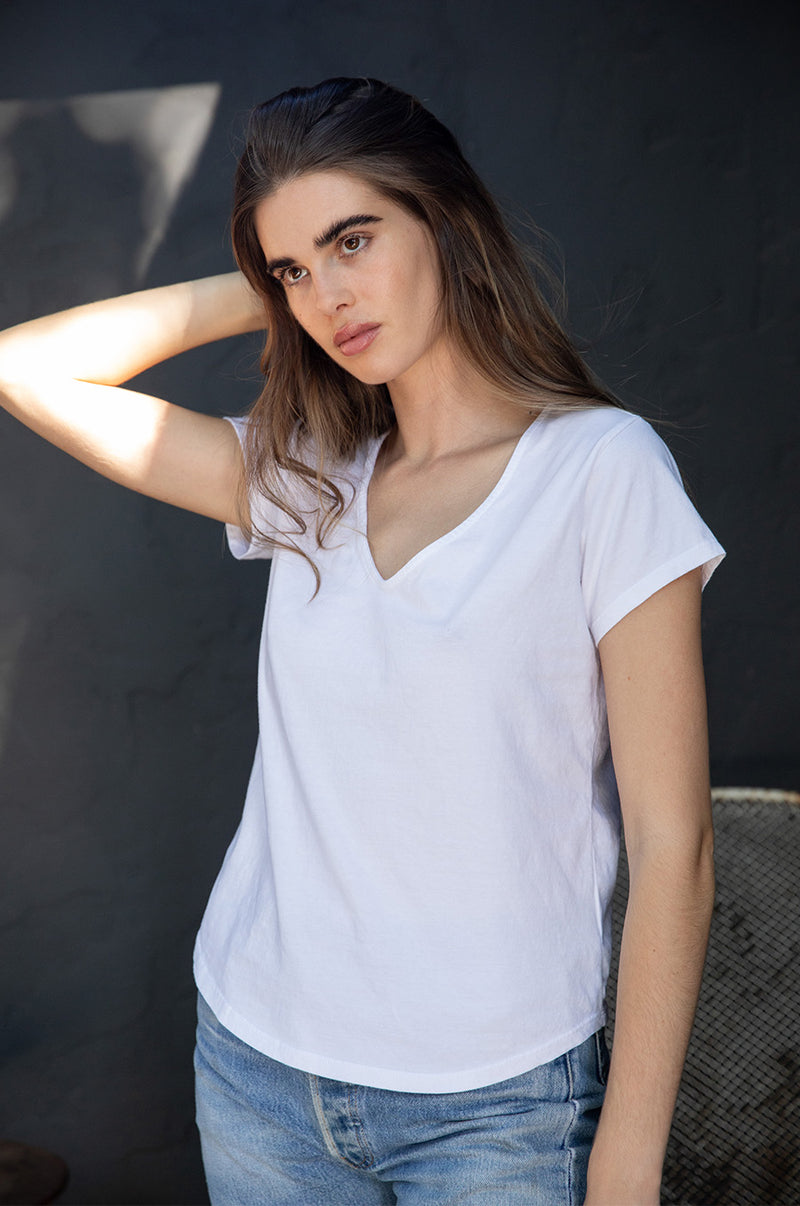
(486,581)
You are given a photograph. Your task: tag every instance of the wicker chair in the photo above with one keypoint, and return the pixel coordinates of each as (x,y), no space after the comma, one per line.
(736,1134)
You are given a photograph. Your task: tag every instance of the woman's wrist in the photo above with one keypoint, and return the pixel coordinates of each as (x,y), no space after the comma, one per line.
(619,1179)
(224,305)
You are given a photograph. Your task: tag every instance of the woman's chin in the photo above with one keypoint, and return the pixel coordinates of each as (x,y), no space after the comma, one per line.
(366,374)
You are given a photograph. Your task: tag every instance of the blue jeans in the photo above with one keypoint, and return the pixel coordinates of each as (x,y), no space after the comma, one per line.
(275,1136)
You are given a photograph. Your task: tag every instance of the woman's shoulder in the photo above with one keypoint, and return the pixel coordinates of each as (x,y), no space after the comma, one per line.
(600,434)
(593,424)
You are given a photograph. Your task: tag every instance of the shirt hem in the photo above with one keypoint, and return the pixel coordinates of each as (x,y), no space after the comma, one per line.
(395,1080)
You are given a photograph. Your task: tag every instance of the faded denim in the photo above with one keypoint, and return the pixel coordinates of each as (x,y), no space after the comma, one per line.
(276,1136)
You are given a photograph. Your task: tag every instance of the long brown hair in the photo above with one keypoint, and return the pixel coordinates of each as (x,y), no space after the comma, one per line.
(492,307)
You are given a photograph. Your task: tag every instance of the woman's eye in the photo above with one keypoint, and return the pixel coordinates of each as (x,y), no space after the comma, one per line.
(291,276)
(352,243)
(348,246)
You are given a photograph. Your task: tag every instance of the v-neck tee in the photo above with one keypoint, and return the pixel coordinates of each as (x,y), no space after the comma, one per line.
(417,897)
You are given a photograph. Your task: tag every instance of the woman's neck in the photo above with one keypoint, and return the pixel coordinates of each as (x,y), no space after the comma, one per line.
(443,406)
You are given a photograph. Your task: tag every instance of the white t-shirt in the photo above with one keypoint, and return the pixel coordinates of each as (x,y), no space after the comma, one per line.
(417,895)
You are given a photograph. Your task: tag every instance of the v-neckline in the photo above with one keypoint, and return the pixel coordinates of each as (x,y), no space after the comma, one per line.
(426,550)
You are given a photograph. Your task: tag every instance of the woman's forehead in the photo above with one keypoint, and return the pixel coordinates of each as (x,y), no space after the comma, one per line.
(298,215)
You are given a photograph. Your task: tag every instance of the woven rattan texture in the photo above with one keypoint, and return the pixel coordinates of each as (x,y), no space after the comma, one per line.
(736,1134)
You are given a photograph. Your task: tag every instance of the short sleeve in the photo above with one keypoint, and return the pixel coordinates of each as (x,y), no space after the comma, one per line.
(640,530)
(266,516)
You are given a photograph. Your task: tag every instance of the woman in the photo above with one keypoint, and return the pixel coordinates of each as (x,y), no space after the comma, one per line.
(482,567)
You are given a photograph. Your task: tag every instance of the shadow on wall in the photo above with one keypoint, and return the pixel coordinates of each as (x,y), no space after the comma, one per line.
(162,131)
(127,650)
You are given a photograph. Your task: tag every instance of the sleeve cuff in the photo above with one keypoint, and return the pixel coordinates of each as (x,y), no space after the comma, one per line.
(708,554)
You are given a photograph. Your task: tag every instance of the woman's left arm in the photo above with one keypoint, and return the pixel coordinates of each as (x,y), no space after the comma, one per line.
(653,673)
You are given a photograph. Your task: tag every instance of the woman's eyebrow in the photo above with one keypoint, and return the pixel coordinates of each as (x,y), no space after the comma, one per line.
(336,228)
(274,266)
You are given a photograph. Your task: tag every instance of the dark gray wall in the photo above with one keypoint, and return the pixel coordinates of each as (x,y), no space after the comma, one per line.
(654,140)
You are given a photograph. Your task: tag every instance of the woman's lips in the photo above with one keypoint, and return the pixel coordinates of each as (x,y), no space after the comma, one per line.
(355,337)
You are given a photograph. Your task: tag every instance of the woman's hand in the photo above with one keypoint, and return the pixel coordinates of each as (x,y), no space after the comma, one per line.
(60,375)
(653,675)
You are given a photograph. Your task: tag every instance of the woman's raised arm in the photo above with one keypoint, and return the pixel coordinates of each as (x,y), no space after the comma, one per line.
(60,376)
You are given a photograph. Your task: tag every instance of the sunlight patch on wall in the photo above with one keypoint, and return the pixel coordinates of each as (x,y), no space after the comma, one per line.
(166,128)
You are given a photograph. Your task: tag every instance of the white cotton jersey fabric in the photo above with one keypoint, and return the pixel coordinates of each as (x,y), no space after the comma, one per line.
(417,897)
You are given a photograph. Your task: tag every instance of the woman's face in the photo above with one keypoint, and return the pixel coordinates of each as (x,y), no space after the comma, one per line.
(360,273)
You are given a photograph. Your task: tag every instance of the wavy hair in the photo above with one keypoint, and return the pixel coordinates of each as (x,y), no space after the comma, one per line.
(493,303)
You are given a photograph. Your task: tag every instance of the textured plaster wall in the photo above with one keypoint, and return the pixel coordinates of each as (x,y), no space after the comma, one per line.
(656,142)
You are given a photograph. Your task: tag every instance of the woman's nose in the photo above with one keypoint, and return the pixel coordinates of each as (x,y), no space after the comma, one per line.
(332,292)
